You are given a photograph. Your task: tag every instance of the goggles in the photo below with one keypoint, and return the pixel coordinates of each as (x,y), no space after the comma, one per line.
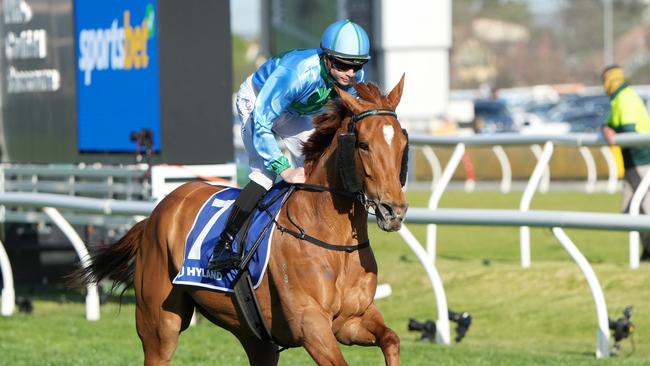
(345,66)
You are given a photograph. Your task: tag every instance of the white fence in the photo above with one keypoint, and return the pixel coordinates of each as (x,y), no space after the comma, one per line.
(50,203)
(539,179)
(128,182)
(524,218)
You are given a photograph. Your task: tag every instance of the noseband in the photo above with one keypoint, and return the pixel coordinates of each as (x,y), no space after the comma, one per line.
(347,145)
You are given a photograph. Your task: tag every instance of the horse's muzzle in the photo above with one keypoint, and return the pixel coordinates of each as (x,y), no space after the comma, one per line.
(389,215)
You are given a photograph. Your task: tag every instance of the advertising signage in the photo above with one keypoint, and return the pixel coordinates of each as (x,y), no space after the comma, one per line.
(113,81)
(118,98)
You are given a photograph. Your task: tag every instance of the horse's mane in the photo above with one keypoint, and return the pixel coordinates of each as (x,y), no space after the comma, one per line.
(327,123)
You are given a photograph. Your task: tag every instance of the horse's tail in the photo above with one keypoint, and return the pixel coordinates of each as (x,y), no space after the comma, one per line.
(116,261)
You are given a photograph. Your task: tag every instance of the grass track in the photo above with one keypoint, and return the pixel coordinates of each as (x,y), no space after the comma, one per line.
(540,316)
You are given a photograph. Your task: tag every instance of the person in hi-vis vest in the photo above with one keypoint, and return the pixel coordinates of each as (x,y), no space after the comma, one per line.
(628,114)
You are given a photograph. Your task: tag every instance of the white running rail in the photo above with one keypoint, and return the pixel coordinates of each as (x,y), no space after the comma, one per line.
(552,219)
(580,140)
(49,204)
(451,167)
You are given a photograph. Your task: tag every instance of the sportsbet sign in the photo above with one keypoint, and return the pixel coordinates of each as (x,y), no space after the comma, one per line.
(117,74)
(118,47)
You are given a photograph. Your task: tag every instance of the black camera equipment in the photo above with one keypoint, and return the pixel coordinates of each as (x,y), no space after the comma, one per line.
(144,143)
(463,321)
(622,328)
(428,328)
(24,305)
(144,148)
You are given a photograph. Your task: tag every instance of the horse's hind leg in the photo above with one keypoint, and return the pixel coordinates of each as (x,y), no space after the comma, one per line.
(162,312)
(370,330)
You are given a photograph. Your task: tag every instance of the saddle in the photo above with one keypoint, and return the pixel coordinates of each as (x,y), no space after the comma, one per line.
(255,236)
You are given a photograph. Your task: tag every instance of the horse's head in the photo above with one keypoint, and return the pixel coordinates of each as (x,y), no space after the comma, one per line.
(372,152)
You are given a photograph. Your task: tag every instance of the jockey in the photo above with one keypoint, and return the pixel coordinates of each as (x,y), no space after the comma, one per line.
(279,101)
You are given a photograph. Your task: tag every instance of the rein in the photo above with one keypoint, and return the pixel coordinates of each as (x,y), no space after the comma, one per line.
(302,235)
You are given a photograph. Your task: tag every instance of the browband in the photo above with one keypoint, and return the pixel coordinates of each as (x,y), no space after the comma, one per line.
(371,112)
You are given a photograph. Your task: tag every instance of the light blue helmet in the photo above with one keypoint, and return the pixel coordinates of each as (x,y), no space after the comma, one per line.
(346,40)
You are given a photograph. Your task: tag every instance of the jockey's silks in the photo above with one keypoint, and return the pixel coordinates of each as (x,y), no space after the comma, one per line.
(296,83)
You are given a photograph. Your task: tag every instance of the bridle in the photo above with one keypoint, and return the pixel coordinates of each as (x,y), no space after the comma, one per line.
(346,156)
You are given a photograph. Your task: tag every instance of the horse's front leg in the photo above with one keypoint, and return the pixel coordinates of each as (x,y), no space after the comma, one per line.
(319,340)
(370,330)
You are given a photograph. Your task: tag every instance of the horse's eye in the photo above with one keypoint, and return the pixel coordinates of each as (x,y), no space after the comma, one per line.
(363,145)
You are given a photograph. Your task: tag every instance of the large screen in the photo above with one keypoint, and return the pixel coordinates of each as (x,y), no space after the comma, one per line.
(117,75)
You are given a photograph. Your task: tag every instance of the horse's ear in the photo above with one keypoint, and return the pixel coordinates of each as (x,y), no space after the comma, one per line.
(395,95)
(349,100)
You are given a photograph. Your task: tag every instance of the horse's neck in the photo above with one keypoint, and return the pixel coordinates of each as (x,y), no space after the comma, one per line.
(341,213)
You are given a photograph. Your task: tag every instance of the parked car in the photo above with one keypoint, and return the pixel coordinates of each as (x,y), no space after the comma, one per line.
(590,123)
(492,116)
(539,109)
(584,113)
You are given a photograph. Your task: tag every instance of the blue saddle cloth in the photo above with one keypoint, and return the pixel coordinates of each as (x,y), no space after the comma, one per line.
(209,224)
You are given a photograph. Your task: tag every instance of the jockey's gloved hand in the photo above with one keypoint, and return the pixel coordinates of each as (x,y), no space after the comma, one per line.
(293,175)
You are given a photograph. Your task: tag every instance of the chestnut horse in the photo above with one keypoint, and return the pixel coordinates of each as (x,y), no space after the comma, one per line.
(310,296)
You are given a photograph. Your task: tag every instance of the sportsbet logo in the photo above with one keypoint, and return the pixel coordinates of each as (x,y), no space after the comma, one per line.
(116,48)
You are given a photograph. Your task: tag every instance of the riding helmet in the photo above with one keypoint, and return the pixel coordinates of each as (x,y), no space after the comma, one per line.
(346,40)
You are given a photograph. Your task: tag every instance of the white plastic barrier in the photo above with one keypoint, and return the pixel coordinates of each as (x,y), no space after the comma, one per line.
(590,187)
(612,181)
(437,194)
(442,324)
(506,171)
(552,219)
(49,204)
(434,163)
(545,180)
(535,180)
(635,208)
(602,334)
(541,183)
(165,178)
(8,293)
(92,295)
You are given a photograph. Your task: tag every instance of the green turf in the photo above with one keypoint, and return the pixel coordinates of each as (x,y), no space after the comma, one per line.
(543,315)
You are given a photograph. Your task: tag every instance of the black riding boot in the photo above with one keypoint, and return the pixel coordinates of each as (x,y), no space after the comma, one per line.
(223,256)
